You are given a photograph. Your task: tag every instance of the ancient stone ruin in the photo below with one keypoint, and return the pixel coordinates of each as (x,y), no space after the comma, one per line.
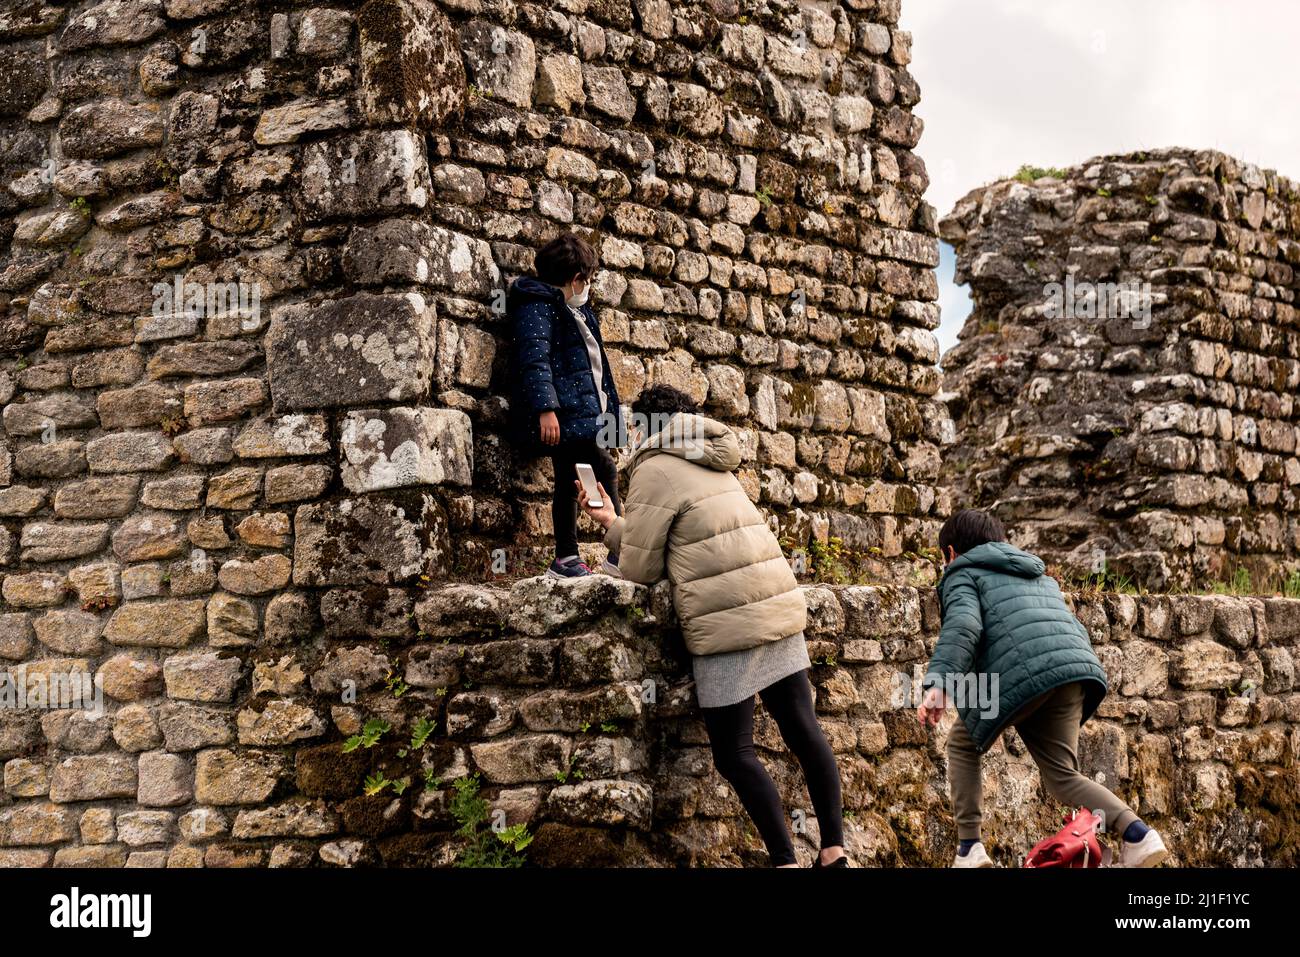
(253,476)
(1125,387)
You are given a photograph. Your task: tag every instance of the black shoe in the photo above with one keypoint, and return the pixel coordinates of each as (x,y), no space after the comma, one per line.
(842,861)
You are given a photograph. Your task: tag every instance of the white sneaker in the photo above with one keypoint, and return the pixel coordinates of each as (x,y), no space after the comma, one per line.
(1147,852)
(975,857)
(609,568)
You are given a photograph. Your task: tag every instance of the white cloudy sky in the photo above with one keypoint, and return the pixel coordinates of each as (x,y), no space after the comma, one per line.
(1054,82)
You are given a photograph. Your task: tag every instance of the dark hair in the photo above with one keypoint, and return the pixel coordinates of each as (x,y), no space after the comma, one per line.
(563,258)
(968,528)
(663,400)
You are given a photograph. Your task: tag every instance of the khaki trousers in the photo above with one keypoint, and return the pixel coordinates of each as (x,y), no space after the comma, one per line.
(1049,726)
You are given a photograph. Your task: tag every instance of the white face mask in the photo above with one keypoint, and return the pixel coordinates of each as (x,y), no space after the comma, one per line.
(580,299)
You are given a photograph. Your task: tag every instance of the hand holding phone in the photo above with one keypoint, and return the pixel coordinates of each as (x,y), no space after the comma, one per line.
(603,514)
(590,487)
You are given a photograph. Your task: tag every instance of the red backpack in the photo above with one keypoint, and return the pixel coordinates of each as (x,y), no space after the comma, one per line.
(1074,845)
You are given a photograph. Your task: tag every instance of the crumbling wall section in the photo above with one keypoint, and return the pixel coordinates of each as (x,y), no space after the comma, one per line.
(1124,389)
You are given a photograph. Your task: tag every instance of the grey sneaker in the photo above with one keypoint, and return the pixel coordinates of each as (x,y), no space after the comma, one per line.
(975,857)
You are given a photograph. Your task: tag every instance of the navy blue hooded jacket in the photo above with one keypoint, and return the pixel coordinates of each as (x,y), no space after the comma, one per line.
(550,367)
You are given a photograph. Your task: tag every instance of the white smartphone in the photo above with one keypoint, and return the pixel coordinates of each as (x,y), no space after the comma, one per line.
(588,479)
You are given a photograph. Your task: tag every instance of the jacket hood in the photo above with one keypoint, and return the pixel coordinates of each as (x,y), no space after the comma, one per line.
(529,287)
(696,438)
(1000,557)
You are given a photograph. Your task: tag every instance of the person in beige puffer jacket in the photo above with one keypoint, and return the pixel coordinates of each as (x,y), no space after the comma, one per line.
(741,610)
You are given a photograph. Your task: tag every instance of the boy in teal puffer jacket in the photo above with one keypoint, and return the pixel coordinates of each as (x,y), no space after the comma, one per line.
(1010,652)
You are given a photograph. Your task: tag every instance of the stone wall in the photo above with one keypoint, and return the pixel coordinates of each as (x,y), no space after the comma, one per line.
(1151,434)
(368,178)
(572,702)
(252,348)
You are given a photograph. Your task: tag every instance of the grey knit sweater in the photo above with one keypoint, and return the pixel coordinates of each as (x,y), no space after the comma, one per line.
(731,677)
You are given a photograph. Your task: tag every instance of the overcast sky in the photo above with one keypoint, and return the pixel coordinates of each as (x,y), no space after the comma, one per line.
(1054,82)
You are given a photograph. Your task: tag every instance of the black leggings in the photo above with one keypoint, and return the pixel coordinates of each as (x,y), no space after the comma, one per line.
(564,500)
(731,734)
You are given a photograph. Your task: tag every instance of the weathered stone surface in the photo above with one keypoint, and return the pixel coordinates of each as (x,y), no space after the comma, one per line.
(541,605)
(282,436)
(135,729)
(499,62)
(97,497)
(559,82)
(16,635)
(165,780)
(265,530)
(411,69)
(296,483)
(281,722)
(297,818)
(392,448)
(258,577)
(536,757)
(56,541)
(189,727)
(236,489)
(109,126)
(1203,664)
(356,541)
(69,632)
(46,416)
(401,250)
(178,493)
(147,537)
(208,402)
(379,613)
(158,624)
(369,173)
(40,823)
(138,828)
(34,590)
(356,668)
(288,123)
(201,677)
(129,452)
(138,407)
(604,802)
(113,23)
(224,777)
(232,622)
(266,218)
(350,351)
(456,610)
(93,778)
(128,678)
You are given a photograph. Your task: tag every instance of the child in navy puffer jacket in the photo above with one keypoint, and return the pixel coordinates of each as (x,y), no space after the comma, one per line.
(564,402)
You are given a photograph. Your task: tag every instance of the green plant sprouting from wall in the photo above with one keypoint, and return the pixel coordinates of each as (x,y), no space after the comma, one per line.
(486,844)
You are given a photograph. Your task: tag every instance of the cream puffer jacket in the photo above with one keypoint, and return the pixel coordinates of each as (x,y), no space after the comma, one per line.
(686,512)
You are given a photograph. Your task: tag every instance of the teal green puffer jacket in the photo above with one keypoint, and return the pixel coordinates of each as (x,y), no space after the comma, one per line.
(1007,637)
